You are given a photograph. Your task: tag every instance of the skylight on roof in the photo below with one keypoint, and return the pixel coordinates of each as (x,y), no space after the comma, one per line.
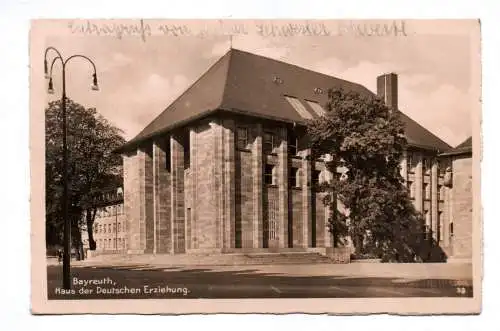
(317,108)
(299,107)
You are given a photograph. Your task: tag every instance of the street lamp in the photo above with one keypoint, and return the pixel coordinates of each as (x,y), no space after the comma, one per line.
(95,87)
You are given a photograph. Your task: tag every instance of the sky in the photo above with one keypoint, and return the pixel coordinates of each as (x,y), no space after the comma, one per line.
(139,78)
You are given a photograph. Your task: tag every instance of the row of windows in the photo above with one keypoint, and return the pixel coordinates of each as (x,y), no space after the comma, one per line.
(441,227)
(115,243)
(270,141)
(294,176)
(109,211)
(412,162)
(108,228)
(427,191)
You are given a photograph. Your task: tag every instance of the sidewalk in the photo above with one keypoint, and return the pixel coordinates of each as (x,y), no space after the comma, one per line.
(371,270)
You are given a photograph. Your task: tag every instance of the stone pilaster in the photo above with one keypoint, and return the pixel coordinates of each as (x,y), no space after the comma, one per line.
(194,197)
(419,179)
(132,177)
(450,218)
(258,187)
(219,182)
(446,216)
(229,183)
(177,194)
(148,199)
(306,199)
(434,200)
(161,197)
(283,188)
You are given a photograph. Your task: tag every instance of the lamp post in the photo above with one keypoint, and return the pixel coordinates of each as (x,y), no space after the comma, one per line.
(67,221)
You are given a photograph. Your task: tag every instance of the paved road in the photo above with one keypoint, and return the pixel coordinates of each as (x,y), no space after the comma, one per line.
(146,281)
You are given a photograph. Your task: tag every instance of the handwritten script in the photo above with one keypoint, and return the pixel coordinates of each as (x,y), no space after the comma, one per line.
(143,29)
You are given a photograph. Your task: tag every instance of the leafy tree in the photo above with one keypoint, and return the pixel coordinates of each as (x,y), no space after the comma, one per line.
(367,140)
(92,167)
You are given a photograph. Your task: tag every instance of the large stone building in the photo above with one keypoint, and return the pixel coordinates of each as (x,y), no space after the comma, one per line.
(224,168)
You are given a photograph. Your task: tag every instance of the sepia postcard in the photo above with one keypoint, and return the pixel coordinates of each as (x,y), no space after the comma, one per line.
(255,166)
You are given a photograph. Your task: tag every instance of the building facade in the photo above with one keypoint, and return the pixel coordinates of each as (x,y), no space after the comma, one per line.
(109,227)
(226,167)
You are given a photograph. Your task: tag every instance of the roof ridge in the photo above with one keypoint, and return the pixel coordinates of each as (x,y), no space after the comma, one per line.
(297,66)
(229,53)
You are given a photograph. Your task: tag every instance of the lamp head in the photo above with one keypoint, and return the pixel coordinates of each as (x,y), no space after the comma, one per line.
(50,90)
(95,86)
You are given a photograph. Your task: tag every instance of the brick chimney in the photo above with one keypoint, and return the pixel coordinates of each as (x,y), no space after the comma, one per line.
(387,89)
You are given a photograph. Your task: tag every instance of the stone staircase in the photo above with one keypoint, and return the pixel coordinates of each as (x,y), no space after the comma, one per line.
(258,258)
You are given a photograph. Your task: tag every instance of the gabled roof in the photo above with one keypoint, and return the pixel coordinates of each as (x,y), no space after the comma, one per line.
(463,148)
(246,83)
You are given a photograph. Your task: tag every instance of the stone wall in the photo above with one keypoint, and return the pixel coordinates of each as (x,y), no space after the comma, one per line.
(296,217)
(218,200)
(462,206)
(132,199)
(205,232)
(161,189)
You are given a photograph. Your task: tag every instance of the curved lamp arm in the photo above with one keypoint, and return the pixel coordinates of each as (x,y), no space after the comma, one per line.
(95,86)
(45,60)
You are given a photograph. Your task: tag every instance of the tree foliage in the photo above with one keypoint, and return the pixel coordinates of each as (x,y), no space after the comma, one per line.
(367,140)
(92,166)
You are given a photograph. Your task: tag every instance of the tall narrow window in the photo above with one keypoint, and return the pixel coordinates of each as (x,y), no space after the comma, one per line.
(269,142)
(316,176)
(441,226)
(427,191)
(292,143)
(187,151)
(268,174)
(426,165)
(242,136)
(411,189)
(167,154)
(410,162)
(428,229)
(441,167)
(293,177)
